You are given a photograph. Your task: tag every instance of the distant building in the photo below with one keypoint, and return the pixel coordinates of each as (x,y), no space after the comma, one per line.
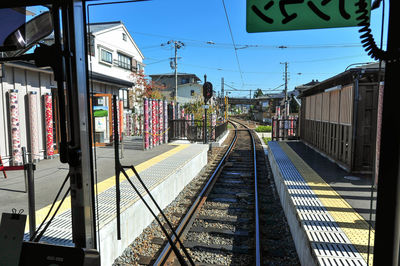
(186,84)
(189,92)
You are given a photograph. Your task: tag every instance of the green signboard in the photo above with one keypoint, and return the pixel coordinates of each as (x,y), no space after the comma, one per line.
(281,15)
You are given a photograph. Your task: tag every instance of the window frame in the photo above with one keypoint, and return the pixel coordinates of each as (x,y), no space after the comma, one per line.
(101,56)
(122,64)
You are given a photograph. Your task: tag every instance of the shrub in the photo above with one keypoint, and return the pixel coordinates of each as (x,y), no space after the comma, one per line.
(263,129)
(266,140)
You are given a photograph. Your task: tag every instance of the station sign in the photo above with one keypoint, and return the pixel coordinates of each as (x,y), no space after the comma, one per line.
(283,15)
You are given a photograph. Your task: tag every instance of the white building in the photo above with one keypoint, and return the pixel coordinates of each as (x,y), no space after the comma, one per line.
(116,58)
(28,95)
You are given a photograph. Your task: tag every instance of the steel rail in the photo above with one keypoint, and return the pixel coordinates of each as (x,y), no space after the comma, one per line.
(201,198)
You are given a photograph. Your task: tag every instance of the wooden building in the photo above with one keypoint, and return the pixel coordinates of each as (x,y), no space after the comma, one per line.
(338,117)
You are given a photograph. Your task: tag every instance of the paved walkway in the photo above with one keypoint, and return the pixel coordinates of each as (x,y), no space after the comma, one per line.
(50,174)
(152,172)
(327,205)
(355,189)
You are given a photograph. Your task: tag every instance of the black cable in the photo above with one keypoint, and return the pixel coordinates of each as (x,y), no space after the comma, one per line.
(175,249)
(233,42)
(162,213)
(51,208)
(367,39)
(375,178)
(37,239)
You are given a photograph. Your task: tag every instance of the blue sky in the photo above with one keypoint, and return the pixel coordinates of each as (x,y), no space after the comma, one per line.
(311,54)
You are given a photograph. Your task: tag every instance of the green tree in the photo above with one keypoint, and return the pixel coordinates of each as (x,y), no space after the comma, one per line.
(293,105)
(258,93)
(196,107)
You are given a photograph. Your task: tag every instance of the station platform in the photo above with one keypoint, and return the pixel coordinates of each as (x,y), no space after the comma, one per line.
(327,209)
(165,170)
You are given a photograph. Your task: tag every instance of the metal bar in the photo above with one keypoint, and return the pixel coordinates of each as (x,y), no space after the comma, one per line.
(163,215)
(180,258)
(387,230)
(117,165)
(80,156)
(58,75)
(31,199)
(24,168)
(24,3)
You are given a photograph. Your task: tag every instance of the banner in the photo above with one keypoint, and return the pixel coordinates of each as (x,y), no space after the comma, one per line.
(153,122)
(146,122)
(166,121)
(33,125)
(48,106)
(161,109)
(15,128)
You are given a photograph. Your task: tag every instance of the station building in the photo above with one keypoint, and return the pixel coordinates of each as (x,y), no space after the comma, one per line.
(28,99)
(339,117)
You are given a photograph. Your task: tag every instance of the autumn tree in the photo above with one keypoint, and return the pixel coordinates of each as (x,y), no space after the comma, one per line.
(196,107)
(145,87)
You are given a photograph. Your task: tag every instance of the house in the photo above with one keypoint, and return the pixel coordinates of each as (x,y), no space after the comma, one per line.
(114,66)
(338,117)
(28,100)
(186,84)
(189,92)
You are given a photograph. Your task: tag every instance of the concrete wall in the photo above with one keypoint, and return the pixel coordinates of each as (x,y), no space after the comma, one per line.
(299,235)
(185,92)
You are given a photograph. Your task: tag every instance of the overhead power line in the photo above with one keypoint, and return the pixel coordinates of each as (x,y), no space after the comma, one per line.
(233,41)
(213,44)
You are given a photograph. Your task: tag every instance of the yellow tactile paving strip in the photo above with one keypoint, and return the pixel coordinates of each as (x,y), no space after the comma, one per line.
(105,184)
(356,228)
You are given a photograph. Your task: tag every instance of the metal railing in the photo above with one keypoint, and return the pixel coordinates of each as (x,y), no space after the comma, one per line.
(285,128)
(193,130)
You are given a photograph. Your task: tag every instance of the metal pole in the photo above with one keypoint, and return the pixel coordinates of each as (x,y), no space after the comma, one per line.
(176,72)
(79,148)
(30,189)
(117,166)
(122,145)
(387,230)
(205,115)
(31,198)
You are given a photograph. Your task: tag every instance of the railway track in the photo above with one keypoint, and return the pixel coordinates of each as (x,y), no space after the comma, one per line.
(215,215)
(224,217)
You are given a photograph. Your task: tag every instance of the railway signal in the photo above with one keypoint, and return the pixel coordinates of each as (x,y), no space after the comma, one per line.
(207,91)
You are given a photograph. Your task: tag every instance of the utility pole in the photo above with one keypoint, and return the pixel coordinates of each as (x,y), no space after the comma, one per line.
(222,99)
(177,45)
(286,86)
(222,86)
